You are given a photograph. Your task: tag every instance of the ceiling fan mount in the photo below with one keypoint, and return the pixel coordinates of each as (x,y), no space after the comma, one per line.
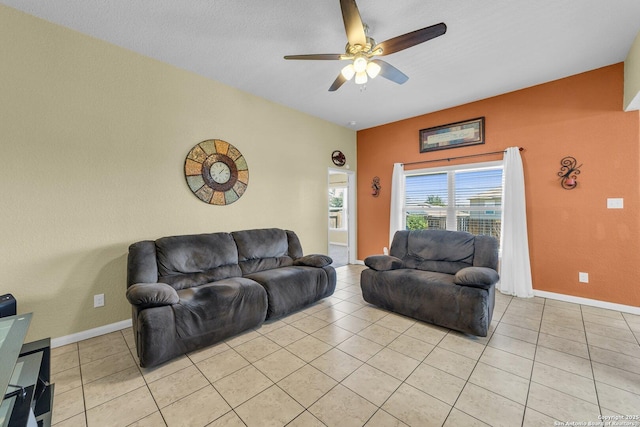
(367,48)
(361,49)
(354,49)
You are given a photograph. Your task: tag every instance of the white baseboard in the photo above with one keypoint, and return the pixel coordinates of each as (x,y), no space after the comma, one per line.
(100,330)
(590,302)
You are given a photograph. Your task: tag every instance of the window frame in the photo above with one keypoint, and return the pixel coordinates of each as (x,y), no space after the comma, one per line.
(451,209)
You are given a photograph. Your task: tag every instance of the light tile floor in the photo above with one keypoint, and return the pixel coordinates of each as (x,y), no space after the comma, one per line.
(343,362)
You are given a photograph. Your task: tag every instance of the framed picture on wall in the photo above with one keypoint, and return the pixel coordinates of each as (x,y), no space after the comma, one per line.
(452,135)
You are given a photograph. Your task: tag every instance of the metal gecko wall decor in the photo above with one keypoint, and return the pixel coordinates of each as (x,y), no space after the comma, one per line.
(569,173)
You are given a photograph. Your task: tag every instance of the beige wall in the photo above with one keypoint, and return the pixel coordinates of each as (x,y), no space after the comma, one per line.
(632,77)
(93,140)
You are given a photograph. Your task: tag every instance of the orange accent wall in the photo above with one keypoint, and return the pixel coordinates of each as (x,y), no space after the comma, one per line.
(569,230)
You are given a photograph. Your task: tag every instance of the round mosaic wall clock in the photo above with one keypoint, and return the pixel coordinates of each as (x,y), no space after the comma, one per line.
(216,172)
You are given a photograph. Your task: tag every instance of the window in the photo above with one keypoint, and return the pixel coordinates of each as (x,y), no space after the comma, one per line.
(462,198)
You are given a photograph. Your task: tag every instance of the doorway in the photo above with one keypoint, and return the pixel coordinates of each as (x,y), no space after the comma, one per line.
(341,218)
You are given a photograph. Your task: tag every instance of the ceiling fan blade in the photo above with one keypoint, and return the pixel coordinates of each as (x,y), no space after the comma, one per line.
(316,56)
(353,23)
(339,81)
(390,72)
(413,38)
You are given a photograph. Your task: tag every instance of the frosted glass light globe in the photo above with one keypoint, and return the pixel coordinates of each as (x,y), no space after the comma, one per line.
(360,64)
(373,69)
(348,72)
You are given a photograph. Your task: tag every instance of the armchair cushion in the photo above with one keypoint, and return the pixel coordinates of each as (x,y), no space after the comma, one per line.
(480,277)
(314,260)
(383,262)
(146,295)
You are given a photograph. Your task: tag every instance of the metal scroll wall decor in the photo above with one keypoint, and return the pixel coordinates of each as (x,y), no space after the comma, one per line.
(569,173)
(375,186)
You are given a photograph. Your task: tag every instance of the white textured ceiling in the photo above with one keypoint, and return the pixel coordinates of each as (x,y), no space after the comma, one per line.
(491,47)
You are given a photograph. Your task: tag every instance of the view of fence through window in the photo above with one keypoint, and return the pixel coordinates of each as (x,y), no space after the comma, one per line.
(462,199)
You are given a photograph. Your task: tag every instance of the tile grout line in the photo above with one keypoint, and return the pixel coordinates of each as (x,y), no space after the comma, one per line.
(595,385)
(526,402)
(402,382)
(146,384)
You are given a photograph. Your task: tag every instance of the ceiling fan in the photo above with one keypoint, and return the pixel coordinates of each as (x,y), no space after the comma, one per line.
(361,49)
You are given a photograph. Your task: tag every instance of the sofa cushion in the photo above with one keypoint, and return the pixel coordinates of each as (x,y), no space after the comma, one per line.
(193,260)
(434,250)
(486,252)
(481,277)
(292,288)
(295,248)
(383,262)
(262,249)
(214,307)
(430,297)
(142,265)
(314,260)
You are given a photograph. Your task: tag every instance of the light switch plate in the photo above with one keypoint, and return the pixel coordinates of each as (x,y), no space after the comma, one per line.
(617,203)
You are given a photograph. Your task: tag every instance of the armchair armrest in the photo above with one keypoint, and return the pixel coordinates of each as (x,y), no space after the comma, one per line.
(146,295)
(479,277)
(383,262)
(313,260)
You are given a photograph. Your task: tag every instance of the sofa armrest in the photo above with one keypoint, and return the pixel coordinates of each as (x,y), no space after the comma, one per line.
(146,295)
(478,277)
(383,262)
(313,260)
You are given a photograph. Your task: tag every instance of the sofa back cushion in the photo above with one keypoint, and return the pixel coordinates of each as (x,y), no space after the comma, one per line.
(142,265)
(486,253)
(434,250)
(193,260)
(262,249)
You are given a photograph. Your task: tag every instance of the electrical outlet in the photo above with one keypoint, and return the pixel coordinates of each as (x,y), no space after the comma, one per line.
(98,300)
(583,277)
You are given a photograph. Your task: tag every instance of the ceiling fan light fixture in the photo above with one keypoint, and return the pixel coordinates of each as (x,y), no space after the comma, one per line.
(373,69)
(361,77)
(348,72)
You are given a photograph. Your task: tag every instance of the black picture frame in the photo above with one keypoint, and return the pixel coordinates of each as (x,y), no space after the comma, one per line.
(452,135)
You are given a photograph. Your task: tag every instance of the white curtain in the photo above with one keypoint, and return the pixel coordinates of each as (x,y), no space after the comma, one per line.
(515,268)
(397,200)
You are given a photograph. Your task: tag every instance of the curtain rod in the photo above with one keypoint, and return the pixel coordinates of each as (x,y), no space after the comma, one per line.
(459,157)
